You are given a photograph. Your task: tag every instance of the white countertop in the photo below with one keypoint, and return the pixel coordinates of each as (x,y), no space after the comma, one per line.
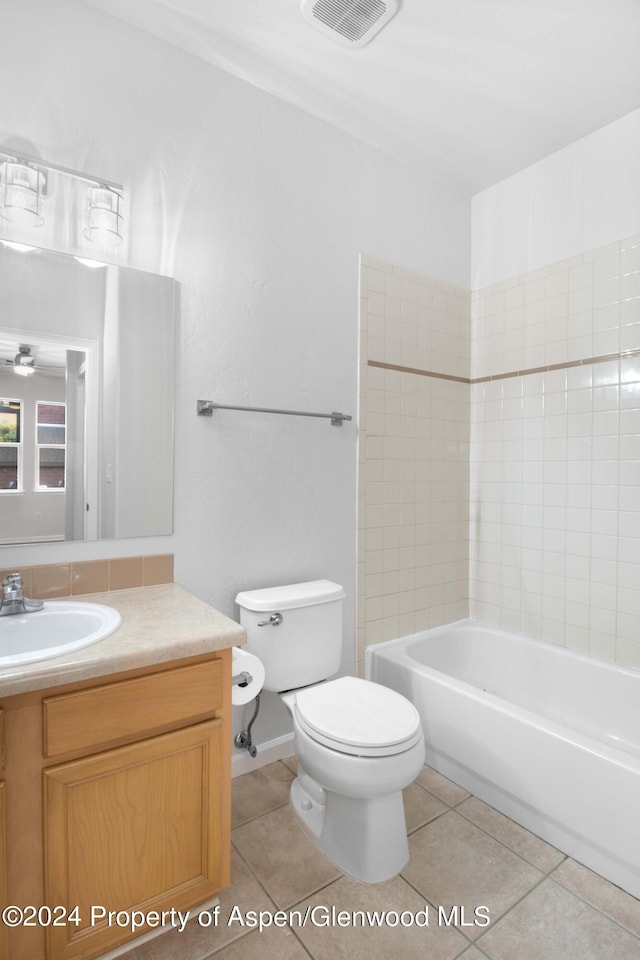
(159,624)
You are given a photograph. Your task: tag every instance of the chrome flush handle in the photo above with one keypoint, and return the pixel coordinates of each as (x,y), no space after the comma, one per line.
(274,621)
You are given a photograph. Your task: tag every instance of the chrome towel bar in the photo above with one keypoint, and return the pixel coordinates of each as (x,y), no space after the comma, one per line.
(206,408)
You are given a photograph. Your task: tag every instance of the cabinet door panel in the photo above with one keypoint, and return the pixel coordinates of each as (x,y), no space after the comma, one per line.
(136,827)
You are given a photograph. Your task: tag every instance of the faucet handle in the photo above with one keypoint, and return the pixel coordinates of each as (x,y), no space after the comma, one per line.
(13,599)
(12,586)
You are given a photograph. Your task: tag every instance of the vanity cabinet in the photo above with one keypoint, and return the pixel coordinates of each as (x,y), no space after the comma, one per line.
(118,797)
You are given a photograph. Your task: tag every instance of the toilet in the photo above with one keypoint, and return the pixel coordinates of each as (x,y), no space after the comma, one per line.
(358,744)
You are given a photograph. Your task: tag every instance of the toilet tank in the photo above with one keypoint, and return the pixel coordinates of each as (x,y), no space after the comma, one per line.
(295,630)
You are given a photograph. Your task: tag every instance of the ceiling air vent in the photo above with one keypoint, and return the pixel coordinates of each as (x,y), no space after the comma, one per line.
(349,22)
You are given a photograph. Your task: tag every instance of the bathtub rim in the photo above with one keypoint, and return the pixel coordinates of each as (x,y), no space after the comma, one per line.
(558,649)
(629,760)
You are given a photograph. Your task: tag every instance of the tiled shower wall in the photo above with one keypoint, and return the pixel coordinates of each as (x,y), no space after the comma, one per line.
(555,453)
(413,503)
(542,374)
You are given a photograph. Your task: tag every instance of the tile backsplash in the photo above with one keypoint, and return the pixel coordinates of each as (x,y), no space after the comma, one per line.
(55,580)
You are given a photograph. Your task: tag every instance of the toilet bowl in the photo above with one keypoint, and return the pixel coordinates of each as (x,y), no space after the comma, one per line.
(348,794)
(358,744)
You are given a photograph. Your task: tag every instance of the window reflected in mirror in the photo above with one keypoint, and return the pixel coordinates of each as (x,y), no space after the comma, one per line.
(10,445)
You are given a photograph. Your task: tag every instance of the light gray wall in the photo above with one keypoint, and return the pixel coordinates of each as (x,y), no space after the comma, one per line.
(577,199)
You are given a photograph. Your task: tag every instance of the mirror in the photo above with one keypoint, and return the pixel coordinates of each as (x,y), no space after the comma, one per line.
(86,436)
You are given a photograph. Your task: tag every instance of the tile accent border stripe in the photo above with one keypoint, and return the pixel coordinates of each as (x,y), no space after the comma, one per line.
(416,371)
(566,365)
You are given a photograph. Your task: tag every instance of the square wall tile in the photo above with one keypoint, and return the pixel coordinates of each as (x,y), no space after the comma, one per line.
(125,572)
(51,581)
(91,576)
(157,569)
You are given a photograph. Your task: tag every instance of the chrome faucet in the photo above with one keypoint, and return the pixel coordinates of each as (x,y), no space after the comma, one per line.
(13,598)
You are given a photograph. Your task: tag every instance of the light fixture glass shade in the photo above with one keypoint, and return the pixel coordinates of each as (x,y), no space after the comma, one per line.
(22,193)
(102,216)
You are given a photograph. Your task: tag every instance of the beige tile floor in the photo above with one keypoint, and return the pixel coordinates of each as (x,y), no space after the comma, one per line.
(542,905)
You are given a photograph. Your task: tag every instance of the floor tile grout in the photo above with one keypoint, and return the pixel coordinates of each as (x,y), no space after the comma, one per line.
(545,874)
(516,903)
(491,835)
(274,794)
(488,833)
(258,816)
(591,905)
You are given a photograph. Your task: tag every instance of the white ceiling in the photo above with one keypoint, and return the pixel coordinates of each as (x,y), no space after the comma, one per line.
(470,90)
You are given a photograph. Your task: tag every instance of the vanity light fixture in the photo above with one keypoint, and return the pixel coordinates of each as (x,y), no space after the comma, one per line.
(25,182)
(23,188)
(103,218)
(23,363)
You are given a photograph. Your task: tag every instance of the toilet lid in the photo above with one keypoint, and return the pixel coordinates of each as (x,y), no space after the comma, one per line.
(358,717)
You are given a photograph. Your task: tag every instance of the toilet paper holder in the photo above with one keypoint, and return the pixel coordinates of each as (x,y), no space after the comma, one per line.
(247,679)
(243,739)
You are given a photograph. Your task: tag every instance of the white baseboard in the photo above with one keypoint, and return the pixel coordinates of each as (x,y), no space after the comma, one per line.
(268,752)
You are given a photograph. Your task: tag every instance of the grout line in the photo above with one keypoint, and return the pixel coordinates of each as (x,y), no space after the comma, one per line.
(557,883)
(291,929)
(506,845)
(472,946)
(589,903)
(312,893)
(265,813)
(543,875)
(301,942)
(512,907)
(477,942)
(493,836)
(433,819)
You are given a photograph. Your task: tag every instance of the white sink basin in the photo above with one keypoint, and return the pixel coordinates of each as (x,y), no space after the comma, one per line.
(60,627)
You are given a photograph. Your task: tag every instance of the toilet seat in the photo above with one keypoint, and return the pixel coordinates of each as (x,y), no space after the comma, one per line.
(357,717)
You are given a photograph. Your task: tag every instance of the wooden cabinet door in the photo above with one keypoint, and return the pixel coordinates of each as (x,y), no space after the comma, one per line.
(139,827)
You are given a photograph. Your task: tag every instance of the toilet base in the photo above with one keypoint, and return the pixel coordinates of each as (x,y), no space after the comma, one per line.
(365,838)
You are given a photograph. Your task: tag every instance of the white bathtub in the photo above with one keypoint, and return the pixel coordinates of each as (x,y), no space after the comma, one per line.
(549,737)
